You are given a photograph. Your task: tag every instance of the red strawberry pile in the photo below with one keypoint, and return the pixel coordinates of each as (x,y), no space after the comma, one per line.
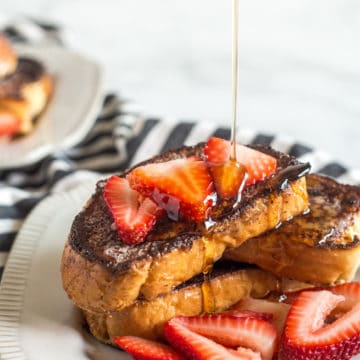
(300,331)
(183,189)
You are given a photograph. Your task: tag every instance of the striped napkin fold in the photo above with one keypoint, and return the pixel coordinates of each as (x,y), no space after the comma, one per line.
(120,138)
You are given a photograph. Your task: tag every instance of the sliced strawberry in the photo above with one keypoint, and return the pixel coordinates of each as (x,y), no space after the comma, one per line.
(234,311)
(246,354)
(9,124)
(217,150)
(142,349)
(351,292)
(195,346)
(134,216)
(233,331)
(182,187)
(290,296)
(307,336)
(258,165)
(229,178)
(277,311)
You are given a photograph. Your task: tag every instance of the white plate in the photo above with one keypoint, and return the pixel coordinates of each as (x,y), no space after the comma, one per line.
(70,113)
(37,320)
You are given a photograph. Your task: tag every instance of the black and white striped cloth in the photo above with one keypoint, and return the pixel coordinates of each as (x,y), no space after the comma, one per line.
(119,138)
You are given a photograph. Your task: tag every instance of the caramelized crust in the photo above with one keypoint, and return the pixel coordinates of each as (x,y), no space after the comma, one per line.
(321,247)
(100,273)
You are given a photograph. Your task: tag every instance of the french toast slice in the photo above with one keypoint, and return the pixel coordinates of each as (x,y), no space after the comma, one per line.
(223,287)
(321,247)
(25,93)
(100,273)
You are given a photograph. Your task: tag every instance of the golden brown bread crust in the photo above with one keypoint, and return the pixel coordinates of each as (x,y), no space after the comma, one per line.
(147,318)
(8,58)
(26,93)
(97,268)
(322,247)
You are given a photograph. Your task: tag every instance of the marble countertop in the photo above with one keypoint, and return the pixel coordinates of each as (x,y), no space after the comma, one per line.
(299,61)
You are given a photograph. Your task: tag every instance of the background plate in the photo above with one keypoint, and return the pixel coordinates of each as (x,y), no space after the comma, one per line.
(71,110)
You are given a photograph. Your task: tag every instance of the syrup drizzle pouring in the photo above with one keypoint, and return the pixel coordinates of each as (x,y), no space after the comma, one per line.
(206,290)
(235,77)
(232,164)
(237,167)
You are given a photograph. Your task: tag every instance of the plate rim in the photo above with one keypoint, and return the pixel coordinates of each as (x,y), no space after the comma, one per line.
(89,118)
(15,277)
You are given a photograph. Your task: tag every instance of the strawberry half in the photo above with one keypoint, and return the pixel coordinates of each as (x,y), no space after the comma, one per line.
(245,313)
(229,178)
(182,187)
(276,312)
(245,354)
(258,165)
(9,124)
(134,215)
(234,331)
(351,292)
(195,346)
(306,336)
(142,349)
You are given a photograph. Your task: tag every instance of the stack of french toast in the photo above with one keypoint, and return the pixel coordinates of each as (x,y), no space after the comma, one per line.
(25,89)
(190,234)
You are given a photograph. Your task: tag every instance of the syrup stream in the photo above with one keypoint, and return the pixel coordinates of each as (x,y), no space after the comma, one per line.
(207,295)
(235,76)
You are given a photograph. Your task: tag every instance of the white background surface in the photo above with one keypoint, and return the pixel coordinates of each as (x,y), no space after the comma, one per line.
(299,66)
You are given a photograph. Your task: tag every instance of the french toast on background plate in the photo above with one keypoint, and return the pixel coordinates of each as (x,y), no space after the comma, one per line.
(25,89)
